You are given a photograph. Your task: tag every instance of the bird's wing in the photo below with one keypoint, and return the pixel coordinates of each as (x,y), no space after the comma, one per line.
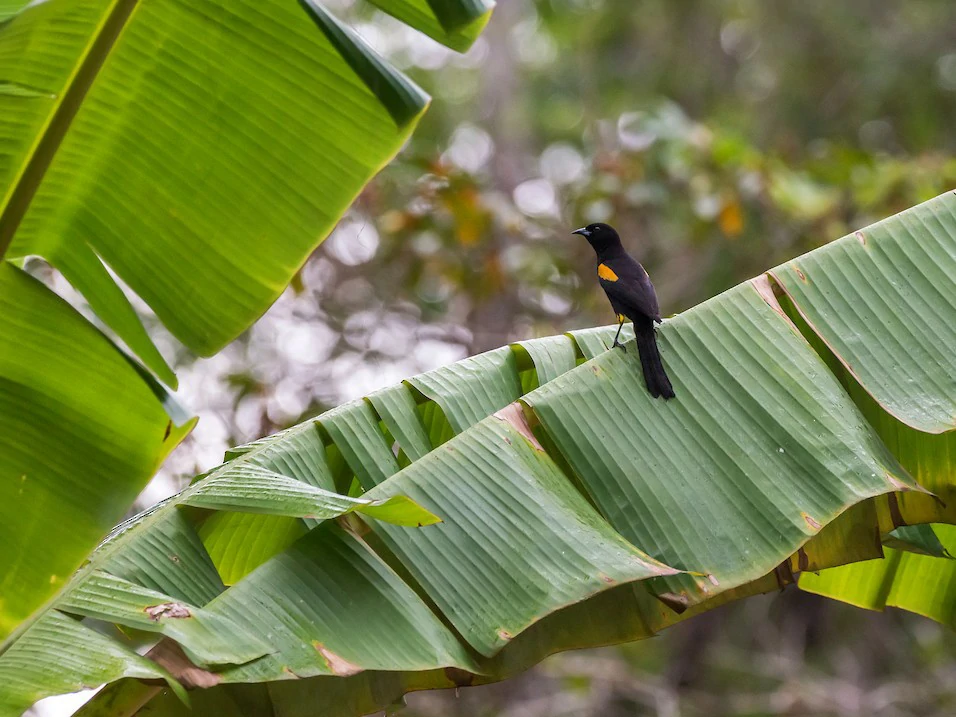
(628,287)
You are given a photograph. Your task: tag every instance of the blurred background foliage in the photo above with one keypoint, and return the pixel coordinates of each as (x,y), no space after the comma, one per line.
(721,138)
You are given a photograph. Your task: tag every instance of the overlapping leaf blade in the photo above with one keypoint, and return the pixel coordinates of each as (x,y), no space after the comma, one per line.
(472,389)
(329,606)
(884,300)
(760,449)
(516,542)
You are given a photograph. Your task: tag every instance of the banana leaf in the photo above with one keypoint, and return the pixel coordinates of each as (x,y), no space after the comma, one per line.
(580,512)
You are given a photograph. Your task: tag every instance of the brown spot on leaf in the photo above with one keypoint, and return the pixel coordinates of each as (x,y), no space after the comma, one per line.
(896,514)
(803,277)
(513,415)
(896,482)
(907,487)
(814,525)
(861,237)
(351,523)
(171,656)
(762,285)
(504,635)
(607,578)
(784,574)
(676,602)
(175,558)
(768,292)
(459,677)
(338,665)
(169,429)
(167,609)
(803,560)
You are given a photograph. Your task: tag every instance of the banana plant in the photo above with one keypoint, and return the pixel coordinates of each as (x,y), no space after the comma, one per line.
(193,154)
(458,527)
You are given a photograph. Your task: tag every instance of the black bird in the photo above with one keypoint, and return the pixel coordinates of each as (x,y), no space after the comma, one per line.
(632,296)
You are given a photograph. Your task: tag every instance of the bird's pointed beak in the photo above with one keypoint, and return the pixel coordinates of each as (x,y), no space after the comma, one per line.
(583,232)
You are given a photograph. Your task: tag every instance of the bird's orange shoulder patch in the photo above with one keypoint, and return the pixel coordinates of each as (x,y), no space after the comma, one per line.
(605,272)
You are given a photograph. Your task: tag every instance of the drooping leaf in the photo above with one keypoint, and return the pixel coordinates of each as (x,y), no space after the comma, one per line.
(928,457)
(80,435)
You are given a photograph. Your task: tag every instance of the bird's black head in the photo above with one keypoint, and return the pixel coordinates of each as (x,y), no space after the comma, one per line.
(600,236)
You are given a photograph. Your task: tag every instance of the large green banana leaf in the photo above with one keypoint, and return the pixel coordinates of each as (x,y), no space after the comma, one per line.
(197,150)
(73,453)
(576,511)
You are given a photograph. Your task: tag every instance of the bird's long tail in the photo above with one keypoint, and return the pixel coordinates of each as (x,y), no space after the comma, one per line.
(654,375)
